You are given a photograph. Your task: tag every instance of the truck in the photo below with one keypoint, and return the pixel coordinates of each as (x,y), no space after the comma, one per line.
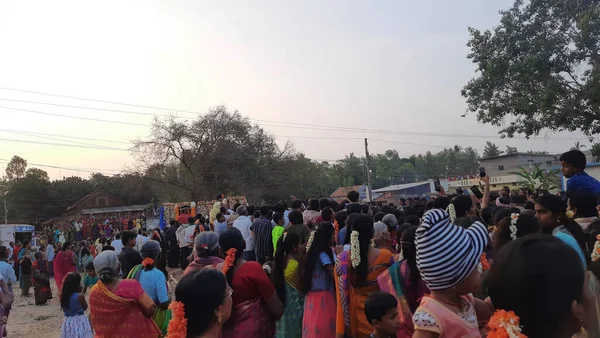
(18,232)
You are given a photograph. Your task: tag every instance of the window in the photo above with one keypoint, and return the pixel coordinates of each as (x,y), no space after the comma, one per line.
(101,202)
(500,167)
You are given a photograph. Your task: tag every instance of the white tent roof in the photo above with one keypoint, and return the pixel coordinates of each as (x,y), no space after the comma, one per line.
(397,187)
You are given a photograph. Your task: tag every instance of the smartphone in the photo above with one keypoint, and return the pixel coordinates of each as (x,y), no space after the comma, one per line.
(437,184)
(482,172)
(476,191)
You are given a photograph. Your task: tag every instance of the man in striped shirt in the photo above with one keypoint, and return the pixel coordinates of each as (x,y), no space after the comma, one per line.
(263,240)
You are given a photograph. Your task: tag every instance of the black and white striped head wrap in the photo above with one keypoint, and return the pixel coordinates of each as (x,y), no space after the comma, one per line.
(446,253)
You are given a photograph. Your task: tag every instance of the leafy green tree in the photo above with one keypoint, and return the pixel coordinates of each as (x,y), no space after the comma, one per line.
(596,151)
(16,168)
(491,150)
(511,150)
(540,67)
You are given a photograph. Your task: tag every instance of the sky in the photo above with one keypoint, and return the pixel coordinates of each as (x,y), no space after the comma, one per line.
(376,65)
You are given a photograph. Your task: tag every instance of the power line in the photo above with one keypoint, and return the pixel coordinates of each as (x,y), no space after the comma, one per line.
(281,123)
(70,169)
(94,100)
(77,117)
(62,144)
(63,136)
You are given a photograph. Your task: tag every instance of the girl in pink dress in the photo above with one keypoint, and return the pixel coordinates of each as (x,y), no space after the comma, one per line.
(448,257)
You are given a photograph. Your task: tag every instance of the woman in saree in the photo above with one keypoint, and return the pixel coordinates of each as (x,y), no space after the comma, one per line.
(356,275)
(25,263)
(403,281)
(41,279)
(85,257)
(285,280)
(64,262)
(153,282)
(206,252)
(318,284)
(125,299)
(256,304)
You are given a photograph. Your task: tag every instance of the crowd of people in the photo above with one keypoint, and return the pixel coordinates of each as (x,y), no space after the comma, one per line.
(513,264)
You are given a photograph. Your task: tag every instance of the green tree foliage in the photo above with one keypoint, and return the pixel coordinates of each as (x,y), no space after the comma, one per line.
(596,151)
(491,150)
(511,150)
(15,169)
(537,178)
(540,68)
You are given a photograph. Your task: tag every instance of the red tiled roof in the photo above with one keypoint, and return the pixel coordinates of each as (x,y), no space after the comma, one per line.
(342,192)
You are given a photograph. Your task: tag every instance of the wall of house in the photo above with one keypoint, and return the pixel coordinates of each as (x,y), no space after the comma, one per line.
(99,200)
(503,165)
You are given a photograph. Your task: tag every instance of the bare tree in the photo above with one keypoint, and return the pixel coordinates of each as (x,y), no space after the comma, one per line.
(219,152)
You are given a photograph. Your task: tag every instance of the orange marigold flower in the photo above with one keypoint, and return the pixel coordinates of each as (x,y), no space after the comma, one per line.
(178,323)
(485,265)
(147,261)
(229,260)
(504,324)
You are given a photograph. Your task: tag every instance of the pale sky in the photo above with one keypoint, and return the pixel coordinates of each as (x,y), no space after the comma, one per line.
(392,65)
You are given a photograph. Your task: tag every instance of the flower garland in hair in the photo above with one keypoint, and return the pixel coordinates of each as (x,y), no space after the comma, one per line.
(513,226)
(178,324)
(284,236)
(310,240)
(229,260)
(354,249)
(336,229)
(452,212)
(147,262)
(483,264)
(596,252)
(570,214)
(504,324)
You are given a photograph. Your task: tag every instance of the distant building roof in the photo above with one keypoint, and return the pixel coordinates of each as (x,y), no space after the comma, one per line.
(97,192)
(109,210)
(397,187)
(517,154)
(342,192)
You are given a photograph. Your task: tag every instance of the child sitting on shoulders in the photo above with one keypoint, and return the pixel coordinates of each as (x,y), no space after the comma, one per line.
(90,278)
(381,310)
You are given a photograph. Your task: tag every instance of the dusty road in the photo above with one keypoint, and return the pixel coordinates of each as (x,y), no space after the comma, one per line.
(28,320)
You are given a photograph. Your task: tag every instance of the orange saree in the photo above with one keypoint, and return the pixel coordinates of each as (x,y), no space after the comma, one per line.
(119,314)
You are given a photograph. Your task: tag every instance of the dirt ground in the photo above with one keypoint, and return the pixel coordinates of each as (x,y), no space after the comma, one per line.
(28,320)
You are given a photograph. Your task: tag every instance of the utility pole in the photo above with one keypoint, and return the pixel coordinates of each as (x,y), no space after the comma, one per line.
(369,199)
(5,211)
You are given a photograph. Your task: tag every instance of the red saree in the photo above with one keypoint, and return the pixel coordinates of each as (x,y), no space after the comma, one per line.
(119,314)
(249,320)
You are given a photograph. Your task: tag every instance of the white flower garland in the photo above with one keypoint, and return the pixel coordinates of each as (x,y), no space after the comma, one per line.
(310,240)
(452,212)
(355,249)
(596,252)
(513,226)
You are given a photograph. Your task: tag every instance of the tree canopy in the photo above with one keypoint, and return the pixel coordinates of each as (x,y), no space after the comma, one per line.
(540,68)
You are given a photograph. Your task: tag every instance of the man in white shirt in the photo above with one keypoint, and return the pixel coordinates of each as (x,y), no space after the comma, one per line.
(183,234)
(139,241)
(50,258)
(243,223)
(117,243)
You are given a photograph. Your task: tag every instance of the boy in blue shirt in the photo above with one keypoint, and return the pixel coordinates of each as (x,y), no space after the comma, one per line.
(573,164)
